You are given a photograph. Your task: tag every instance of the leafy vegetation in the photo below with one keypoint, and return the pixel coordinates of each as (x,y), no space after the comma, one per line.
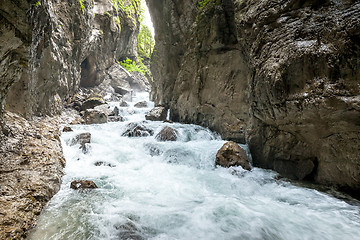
(132,66)
(38,3)
(146,42)
(82,6)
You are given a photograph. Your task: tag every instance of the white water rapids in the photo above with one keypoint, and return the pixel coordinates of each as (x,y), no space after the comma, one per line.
(172,190)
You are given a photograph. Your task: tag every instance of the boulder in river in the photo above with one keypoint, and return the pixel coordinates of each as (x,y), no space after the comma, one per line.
(142,104)
(83,139)
(231,154)
(83,184)
(137,130)
(157,114)
(67,129)
(167,134)
(94,116)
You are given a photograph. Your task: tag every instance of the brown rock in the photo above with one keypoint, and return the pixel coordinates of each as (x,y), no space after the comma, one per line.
(92,102)
(157,114)
(167,134)
(67,129)
(94,116)
(231,154)
(83,184)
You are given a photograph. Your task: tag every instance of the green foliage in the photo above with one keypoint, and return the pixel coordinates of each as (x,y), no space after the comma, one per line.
(82,6)
(146,42)
(38,3)
(203,3)
(131,66)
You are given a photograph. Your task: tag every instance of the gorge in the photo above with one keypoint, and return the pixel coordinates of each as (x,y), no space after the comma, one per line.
(281,77)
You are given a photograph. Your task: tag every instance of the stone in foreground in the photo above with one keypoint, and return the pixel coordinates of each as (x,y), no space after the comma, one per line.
(157,114)
(167,134)
(83,184)
(231,154)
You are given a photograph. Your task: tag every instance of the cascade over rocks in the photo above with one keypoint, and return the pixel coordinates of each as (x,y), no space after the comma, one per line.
(281,76)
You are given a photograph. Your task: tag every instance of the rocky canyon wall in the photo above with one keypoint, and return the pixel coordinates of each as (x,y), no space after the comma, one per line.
(50,48)
(282,76)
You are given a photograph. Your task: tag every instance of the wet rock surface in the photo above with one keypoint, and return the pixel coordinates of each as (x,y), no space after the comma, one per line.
(167,134)
(157,114)
(281,76)
(82,184)
(231,154)
(137,130)
(31,167)
(94,116)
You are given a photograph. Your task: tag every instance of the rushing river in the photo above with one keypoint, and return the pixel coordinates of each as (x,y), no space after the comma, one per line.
(172,190)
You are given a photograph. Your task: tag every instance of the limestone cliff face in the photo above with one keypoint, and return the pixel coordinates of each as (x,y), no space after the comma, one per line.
(49,48)
(282,76)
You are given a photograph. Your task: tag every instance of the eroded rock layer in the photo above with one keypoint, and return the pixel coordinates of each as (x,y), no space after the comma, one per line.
(282,76)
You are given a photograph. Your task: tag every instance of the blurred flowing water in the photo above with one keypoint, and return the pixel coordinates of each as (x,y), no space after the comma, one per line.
(172,190)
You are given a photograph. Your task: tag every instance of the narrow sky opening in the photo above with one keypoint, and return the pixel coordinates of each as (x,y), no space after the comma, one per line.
(147,19)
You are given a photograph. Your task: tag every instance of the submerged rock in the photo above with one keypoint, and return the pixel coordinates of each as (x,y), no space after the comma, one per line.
(142,104)
(157,114)
(83,184)
(231,154)
(137,130)
(94,116)
(123,104)
(167,134)
(101,163)
(129,231)
(115,119)
(83,139)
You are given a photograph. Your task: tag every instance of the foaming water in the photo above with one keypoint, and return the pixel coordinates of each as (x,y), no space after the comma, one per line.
(172,190)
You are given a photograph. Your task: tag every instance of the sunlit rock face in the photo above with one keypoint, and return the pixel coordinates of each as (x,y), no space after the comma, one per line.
(50,48)
(281,76)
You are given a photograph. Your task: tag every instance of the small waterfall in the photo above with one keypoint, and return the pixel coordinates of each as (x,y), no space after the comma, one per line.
(171,190)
